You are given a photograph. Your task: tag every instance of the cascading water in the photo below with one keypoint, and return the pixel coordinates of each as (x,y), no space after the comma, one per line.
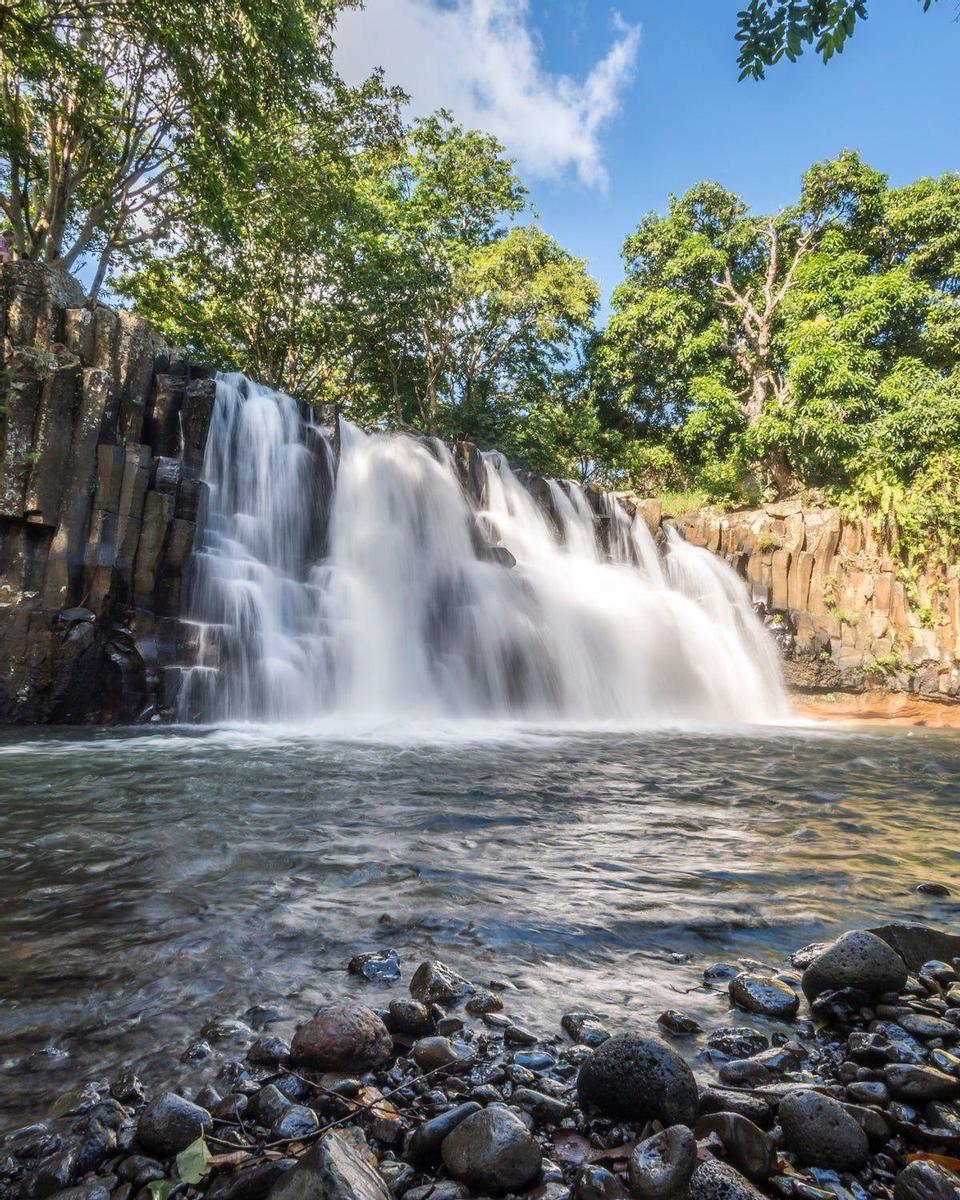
(379,590)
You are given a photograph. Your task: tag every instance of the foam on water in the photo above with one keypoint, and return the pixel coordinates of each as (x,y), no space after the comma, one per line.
(369,597)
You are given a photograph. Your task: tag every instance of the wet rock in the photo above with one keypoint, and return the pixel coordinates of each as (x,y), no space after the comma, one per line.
(858,959)
(432,1053)
(423,1145)
(917,944)
(738,1041)
(545,1108)
(585,1028)
(635,1078)
(53,1175)
(94,1190)
(492,1151)
(720,972)
(821,1132)
(744,1072)
(869,1091)
(932,889)
(518,1035)
(922,1025)
(170,1123)
(226,1029)
(253,1183)
(746,1145)
(484,1002)
(343,1037)
(662,1165)
(268,1051)
(127,1087)
(331,1170)
(443,1189)
(871,1122)
(435,983)
(716,1180)
(926,1181)
(378,966)
(678,1024)
(596,1183)
(296,1121)
(410,1017)
(908,1081)
(269,1105)
(763,995)
(754,1108)
(76,1100)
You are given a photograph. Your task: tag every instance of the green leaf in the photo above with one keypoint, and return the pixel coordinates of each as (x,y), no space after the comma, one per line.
(159,1189)
(193,1164)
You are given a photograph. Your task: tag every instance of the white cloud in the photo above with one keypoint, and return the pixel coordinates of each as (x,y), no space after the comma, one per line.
(481,59)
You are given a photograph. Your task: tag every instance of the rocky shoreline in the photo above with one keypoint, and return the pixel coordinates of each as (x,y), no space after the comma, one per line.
(445,1095)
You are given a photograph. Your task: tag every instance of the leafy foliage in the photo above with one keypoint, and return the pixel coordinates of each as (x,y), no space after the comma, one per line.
(769,30)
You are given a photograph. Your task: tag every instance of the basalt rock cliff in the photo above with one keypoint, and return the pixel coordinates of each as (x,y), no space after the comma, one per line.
(102,432)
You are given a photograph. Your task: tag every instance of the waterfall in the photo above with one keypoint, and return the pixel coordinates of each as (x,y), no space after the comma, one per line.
(381,587)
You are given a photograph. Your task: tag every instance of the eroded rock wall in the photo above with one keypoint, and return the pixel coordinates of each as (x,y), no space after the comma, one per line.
(836,591)
(102,432)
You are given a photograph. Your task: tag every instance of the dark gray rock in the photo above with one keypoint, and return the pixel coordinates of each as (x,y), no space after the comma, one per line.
(378,966)
(410,1017)
(917,944)
(926,1181)
(423,1144)
(635,1078)
(331,1170)
(342,1037)
(744,1072)
(54,1174)
(763,995)
(738,1041)
(821,1132)
(748,1147)
(431,1053)
(715,1180)
(296,1121)
(268,1051)
(858,959)
(908,1081)
(662,1165)
(435,983)
(678,1024)
(253,1183)
(596,1183)
(585,1028)
(492,1151)
(170,1123)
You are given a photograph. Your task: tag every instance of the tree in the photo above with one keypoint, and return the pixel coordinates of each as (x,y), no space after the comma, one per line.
(820,346)
(107,104)
(769,30)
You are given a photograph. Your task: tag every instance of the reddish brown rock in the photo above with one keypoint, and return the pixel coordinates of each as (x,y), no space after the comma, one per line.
(343,1037)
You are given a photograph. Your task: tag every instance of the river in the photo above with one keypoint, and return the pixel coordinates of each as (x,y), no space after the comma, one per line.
(151,880)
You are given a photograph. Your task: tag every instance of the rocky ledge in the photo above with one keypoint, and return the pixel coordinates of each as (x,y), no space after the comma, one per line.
(851,1092)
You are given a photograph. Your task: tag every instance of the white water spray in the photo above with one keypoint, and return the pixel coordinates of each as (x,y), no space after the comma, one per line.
(390,596)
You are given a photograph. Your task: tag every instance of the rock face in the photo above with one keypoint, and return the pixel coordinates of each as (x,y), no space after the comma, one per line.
(102,430)
(858,959)
(830,587)
(635,1078)
(492,1151)
(343,1037)
(822,1133)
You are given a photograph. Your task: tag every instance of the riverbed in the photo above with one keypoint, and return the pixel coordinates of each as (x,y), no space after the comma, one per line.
(151,880)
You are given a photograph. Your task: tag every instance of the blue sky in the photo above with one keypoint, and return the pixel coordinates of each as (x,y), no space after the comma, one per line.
(608,109)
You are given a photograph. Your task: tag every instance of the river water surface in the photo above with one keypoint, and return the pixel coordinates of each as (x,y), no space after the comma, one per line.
(151,881)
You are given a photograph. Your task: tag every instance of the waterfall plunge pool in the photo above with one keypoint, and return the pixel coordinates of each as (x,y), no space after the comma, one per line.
(150,881)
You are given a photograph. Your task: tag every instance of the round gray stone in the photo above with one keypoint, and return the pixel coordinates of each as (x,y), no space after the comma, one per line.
(169,1124)
(822,1133)
(763,995)
(634,1078)
(716,1180)
(858,959)
(492,1151)
(661,1166)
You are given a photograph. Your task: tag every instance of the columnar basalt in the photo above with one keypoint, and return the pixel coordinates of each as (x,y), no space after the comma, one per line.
(102,431)
(837,595)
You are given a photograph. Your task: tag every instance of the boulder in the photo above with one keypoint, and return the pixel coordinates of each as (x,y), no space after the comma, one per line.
(917,944)
(492,1151)
(821,1132)
(634,1078)
(858,959)
(342,1037)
